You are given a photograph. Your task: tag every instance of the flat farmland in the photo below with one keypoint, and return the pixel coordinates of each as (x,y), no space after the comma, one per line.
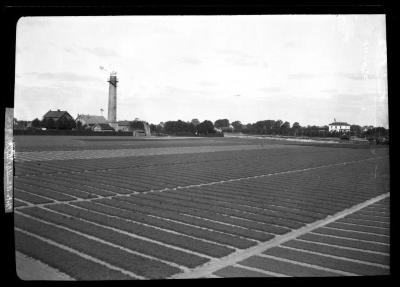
(96,208)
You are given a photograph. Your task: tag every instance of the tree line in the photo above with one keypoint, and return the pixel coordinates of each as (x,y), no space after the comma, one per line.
(179,127)
(49,123)
(264,127)
(279,127)
(207,127)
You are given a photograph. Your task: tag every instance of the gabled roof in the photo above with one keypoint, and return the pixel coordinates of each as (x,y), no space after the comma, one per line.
(55,114)
(90,119)
(339,124)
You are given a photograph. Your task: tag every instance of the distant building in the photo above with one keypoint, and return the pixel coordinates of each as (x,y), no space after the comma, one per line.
(90,120)
(134,127)
(57,115)
(139,133)
(102,128)
(339,127)
(124,126)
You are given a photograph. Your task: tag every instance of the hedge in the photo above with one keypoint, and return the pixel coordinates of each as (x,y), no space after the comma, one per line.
(71,133)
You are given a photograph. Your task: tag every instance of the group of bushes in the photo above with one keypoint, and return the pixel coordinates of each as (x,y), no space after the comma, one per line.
(61,124)
(181,128)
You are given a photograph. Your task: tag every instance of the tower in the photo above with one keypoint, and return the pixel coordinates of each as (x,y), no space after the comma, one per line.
(112,98)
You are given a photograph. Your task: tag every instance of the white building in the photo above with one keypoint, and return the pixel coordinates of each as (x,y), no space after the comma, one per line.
(339,127)
(102,128)
(127,127)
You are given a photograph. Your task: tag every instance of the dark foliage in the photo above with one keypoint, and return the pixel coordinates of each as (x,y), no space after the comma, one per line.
(205,128)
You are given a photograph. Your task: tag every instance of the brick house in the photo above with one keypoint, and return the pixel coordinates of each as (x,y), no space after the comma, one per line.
(57,115)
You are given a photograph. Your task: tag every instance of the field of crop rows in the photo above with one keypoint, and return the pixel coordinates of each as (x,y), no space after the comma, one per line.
(357,244)
(204,213)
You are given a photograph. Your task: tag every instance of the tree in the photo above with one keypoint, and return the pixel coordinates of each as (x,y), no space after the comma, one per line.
(269,125)
(159,128)
(136,125)
(19,125)
(260,127)
(36,123)
(335,133)
(192,128)
(325,131)
(65,124)
(79,125)
(195,122)
(49,123)
(285,127)
(296,125)
(222,123)
(277,126)
(248,128)
(179,127)
(296,128)
(312,131)
(264,127)
(380,132)
(169,126)
(237,126)
(355,130)
(205,127)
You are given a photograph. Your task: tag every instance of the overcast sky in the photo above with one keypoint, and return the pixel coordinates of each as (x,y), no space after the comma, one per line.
(305,68)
